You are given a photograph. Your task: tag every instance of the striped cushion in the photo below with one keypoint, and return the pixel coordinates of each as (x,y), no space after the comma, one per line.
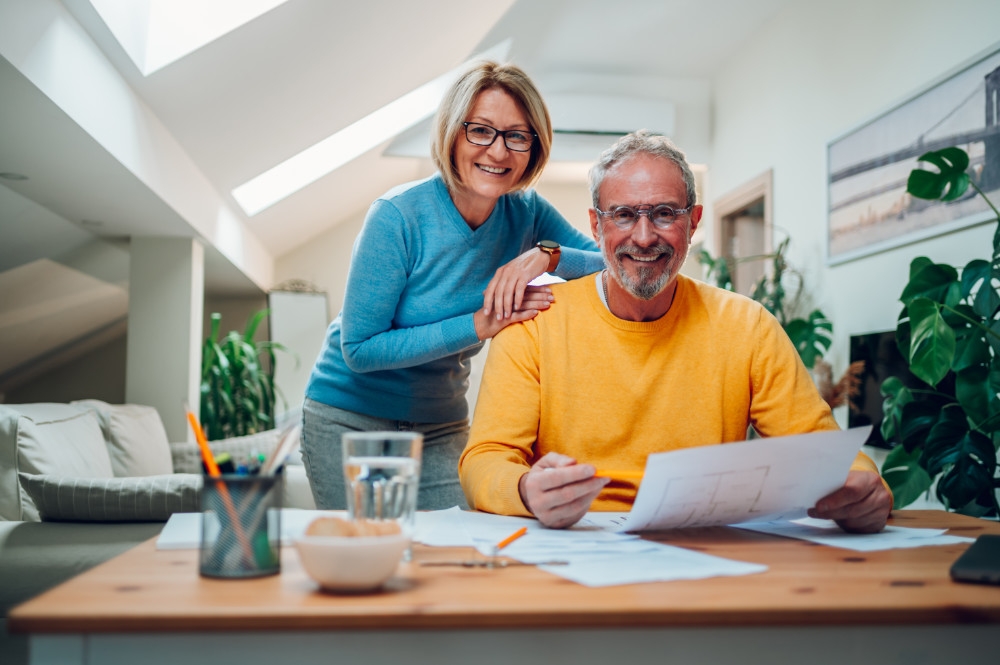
(135,499)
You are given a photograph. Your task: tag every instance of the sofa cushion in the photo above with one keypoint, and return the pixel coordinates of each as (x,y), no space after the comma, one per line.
(187,455)
(136,499)
(135,437)
(54,439)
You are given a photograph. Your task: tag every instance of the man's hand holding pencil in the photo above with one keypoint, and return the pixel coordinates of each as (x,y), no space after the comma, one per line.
(558,491)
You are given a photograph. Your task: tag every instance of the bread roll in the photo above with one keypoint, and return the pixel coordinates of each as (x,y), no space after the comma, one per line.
(336,526)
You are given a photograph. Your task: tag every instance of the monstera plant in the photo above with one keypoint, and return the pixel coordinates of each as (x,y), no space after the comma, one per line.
(947,430)
(779,291)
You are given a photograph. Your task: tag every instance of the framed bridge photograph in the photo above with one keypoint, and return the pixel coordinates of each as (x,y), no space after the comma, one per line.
(869,208)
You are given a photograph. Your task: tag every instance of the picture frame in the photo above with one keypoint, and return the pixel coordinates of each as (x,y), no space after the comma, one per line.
(868,208)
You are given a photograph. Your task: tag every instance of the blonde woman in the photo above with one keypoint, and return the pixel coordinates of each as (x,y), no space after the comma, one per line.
(440,266)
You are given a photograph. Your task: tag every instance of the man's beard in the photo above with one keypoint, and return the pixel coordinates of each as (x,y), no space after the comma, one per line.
(646,284)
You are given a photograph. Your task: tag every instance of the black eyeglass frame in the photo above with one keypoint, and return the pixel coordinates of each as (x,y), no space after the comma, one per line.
(646,210)
(500,132)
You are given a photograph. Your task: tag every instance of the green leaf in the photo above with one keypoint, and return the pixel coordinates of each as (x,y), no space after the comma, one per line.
(947,185)
(971,350)
(812,337)
(916,420)
(976,275)
(973,463)
(972,390)
(932,346)
(935,281)
(905,477)
(941,447)
(918,264)
(903,333)
(896,396)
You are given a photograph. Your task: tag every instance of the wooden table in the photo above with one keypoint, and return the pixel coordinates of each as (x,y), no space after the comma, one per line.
(815,604)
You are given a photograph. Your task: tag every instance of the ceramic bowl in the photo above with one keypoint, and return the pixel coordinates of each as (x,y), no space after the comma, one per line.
(351,563)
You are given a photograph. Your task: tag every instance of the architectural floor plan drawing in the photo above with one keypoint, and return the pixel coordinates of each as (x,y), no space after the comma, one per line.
(761,479)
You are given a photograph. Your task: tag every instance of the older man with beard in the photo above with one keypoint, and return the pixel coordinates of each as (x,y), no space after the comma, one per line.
(640,359)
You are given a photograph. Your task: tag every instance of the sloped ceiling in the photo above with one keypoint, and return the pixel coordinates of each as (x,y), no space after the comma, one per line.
(265,91)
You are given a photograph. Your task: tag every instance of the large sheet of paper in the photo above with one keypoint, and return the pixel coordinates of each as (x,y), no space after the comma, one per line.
(761,479)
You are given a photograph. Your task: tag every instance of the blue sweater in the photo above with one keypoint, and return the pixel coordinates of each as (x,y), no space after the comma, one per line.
(401,348)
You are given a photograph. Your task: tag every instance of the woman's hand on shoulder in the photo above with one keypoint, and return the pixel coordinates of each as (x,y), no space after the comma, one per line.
(536,299)
(508,291)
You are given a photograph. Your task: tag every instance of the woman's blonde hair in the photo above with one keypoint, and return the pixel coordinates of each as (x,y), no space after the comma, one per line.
(458,102)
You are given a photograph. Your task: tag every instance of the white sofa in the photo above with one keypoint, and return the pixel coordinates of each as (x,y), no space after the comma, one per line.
(83,482)
(93,461)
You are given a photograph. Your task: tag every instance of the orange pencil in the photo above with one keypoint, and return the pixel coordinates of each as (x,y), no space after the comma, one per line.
(511,538)
(619,474)
(213,471)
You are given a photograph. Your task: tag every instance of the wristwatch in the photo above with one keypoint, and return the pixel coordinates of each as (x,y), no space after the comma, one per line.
(550,247)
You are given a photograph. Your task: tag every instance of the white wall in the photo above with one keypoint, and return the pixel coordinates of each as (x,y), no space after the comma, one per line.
(817,70)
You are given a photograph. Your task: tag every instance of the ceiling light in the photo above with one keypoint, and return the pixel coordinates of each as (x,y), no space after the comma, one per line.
(351,142)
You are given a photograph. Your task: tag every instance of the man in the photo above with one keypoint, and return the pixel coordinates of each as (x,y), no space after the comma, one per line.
(639,359)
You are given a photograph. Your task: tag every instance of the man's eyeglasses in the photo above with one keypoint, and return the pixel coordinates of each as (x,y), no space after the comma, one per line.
(517,140)
(625,217)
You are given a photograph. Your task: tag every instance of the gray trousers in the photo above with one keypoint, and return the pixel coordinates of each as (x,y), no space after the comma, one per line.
(322,426)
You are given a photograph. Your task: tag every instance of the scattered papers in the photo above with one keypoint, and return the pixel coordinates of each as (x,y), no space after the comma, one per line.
(826,532)
(761,479)
(594,555)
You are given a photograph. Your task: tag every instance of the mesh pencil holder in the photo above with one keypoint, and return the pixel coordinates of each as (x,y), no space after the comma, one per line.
(241,526)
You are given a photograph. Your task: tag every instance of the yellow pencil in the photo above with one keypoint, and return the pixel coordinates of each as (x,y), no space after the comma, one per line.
(619,474)
(511,538)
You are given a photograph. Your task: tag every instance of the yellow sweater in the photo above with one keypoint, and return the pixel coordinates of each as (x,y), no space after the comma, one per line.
(579,381)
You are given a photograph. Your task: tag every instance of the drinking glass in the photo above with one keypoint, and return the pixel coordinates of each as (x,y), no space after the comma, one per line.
(382,477)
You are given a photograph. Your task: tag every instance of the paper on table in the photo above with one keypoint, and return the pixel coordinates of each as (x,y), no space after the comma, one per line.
(653,563)
(826,532)
(762,479)
(593,555)
(183,530)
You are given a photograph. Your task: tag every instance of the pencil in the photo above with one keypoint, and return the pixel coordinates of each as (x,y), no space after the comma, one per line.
(619,474)
(511,538)
(213,471)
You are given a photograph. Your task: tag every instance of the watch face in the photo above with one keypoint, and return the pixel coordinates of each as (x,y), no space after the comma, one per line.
(548,244)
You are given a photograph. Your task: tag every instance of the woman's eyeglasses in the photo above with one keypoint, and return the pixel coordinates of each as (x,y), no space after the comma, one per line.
(517,140)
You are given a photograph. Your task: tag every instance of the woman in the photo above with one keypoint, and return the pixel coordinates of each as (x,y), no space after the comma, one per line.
(441,265)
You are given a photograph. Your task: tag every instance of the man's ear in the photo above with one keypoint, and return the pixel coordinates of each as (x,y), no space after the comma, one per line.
(594,228)
(695,217)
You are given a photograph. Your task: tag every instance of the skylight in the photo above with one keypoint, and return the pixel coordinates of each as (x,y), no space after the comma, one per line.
(156,33)
(351,142)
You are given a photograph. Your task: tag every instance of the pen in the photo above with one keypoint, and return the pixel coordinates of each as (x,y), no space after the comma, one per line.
(619,474)
(511,538)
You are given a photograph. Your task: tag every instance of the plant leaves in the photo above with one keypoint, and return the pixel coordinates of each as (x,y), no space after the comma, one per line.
(971,350)
(237,390)
(935,281)
(906,478)
(972,390)
(941,447)
(917,419)
(897,395)
(932,343)
(812,337)
(947,185)
(973,463)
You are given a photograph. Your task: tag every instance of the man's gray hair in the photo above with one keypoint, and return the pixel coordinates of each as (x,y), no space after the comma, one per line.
(642,141)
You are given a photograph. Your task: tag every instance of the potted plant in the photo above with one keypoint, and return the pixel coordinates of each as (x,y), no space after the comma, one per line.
(780,292)
(948,430)
(237,388)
